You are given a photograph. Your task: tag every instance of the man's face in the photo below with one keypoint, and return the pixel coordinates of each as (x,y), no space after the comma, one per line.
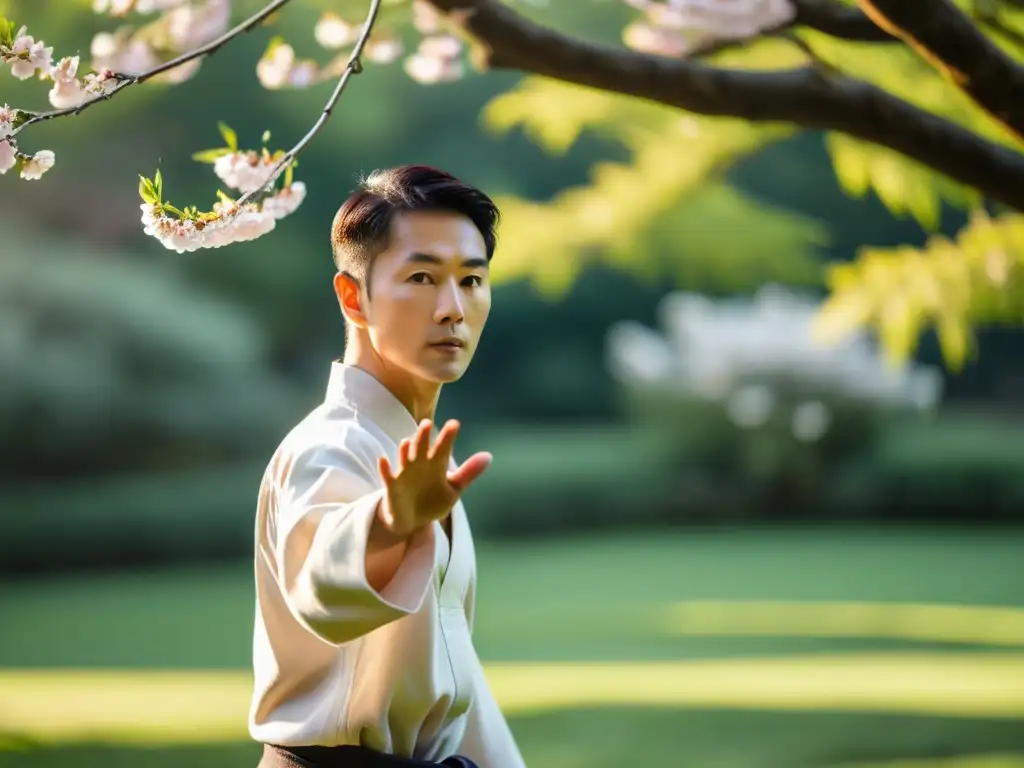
(429,288)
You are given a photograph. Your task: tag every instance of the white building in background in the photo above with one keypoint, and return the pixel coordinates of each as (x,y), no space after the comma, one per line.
(757,359)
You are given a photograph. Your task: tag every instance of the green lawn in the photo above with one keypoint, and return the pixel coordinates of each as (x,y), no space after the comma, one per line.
(618,599)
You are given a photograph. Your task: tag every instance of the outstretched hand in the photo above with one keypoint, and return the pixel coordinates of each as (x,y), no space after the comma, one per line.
(422,489)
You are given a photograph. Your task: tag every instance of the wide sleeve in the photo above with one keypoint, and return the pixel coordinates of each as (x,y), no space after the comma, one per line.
(488,740)
(326,503)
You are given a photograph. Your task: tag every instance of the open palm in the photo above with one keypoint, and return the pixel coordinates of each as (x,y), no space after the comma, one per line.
(422,489)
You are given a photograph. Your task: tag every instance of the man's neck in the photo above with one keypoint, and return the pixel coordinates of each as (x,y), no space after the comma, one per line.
(417,395)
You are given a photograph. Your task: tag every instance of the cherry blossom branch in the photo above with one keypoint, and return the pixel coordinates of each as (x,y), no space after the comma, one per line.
(800,97)
(945,36)
(126,80)
(354,67)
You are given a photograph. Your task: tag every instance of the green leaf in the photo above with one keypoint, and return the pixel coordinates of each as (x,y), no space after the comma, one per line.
(630,215)
(850,164)
(147,192)
(158,185)
(224,197)
(948,285)
(289,174)
(175,211)
(903,185)
(266,136)
(230,137)
(955,340)
(211,155)
(554,114)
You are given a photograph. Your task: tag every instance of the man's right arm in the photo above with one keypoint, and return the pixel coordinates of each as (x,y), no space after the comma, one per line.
(342,572)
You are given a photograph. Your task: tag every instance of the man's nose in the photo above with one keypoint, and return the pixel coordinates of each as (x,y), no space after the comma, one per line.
(449,305)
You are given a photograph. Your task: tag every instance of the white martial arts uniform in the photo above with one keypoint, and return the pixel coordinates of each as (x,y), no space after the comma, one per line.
(336,662)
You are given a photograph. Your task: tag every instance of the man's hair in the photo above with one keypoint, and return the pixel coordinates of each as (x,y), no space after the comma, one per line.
(363,223)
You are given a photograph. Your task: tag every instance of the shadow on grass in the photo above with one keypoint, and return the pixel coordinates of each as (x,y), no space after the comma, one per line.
(615,738)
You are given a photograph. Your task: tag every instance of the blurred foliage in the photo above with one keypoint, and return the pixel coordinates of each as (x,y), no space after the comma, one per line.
(904,185)
(950,284)
(631,214)
(963,466)
(678,160)
(666,210)
(142,389)
(125,362)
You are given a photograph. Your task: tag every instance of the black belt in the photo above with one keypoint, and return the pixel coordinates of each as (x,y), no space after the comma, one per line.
(347,757)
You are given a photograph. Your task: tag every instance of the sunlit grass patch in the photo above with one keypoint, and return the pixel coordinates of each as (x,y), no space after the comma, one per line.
(164,706)
(961,761)
(967,624)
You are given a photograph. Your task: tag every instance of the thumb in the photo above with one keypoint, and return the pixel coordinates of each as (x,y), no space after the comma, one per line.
(471,469)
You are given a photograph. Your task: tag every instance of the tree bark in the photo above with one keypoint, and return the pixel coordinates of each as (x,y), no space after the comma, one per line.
(839,20)
(806,97)
(943,35)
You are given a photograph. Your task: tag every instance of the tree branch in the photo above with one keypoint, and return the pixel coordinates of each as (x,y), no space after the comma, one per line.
(803,97)
(945,36)
(126,80)
(354,67)
(839,20)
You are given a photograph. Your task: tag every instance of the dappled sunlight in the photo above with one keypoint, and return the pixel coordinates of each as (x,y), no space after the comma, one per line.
(969,624)
(142,706)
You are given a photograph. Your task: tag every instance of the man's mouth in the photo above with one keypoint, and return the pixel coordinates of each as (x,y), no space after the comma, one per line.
(449,344)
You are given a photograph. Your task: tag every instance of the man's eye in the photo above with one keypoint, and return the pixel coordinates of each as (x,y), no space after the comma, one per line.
(420,277)
(473,281)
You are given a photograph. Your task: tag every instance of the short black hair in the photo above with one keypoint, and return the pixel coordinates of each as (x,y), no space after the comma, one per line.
(363,223)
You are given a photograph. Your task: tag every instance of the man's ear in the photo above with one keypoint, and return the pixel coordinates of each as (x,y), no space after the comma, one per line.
(350,299)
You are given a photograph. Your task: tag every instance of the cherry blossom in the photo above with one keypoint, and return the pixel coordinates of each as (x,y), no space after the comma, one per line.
(8,156)
(228,224)
(120,53)
(180,73)
(113,7)
(151,6)
(383,51)
(650,38)
(678,27)
(27,56)
(8,152)
(437,60)
(35,166)
(332,31)
(425,18)
(124,7)
(190,26)
(188,30)
(67,91)
(286,201)
(279,68)
(244,171)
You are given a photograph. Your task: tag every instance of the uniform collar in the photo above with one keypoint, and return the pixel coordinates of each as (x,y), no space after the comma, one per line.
(368,396)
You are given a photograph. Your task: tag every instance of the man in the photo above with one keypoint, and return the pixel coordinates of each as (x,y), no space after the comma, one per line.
(365,569)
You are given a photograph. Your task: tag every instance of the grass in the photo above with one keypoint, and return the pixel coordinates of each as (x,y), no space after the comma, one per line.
(816,648)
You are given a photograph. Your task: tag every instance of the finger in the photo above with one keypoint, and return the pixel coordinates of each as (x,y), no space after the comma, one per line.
(470,470)
(442,448)
(420,441)
(403,453)
(384,468)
